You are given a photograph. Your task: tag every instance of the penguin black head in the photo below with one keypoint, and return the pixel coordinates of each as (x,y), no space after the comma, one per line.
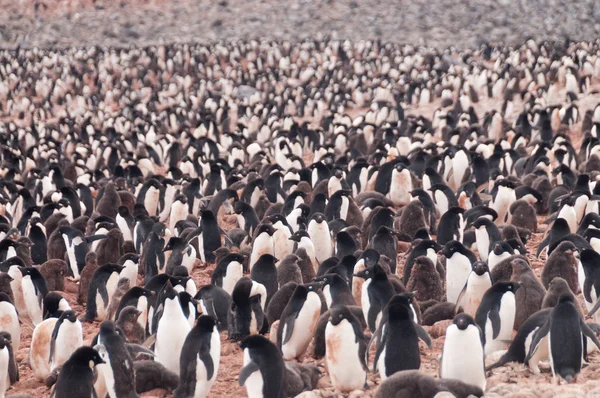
(566,298)
(462,321)
(267,228)
(399,307)
(371,257)
(319,218)
(502,247)
(339,313)
(298,235)
(4,298)
(54,305)
(255,342)
(452,247)
(480,268)
(87,356)
(69,315)
(206,323)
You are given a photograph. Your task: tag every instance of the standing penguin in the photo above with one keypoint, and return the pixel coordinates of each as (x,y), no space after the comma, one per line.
(34,291)
(5,358)
(118,372)
(459,261)
(298,321)
(319,233)
(66,338)
(496,315)
(173,327)
(346,348)
(563,262)
(209,238)
(463,353)
(486,235)
(76,378)
(263,243)
(377,290)
(503,195)
(478,283)
(199,361)
(398,343)
(567,350)
(263,371)
(228,272)
(336,290)
(451,226)
(100,291)
(9,320)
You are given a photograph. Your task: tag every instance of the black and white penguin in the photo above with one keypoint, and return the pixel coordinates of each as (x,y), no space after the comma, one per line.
(298,321)
(319,233)
(263,370)
(215,302)
(9,320)
(209,237)
(100,291)
(228,272)
(459,261)
(199,361)
(567,352)
(496,315)
(486,234)
(173,327)
(346,350)
(451,226)
(503,195)
(464,345)
(34,290)
(398,340)
(77,248)
(77,375)
(66,338)
(500,252)
(336,290)
(377,290)
(139,298)
(246,312)
(263,243)
(118,372)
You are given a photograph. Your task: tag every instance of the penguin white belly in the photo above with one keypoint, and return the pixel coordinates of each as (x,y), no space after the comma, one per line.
(17,289)
(69,338)
(179,211)
(111,288)
(507,320)
(365,303)
(580,206)
(343,362)
(142,306)
(130,273)
(9,322)
(304,328)
(327,294)
(233,274)
(151,201)
(241,221)
(39,353)
(568,214)
(34,308)
(281,244)
(189,259)
(77,241)
(344,208)
(541,354)
(357,283)
(400,188)
(172,330)
(201,248)
(254,383)
(460,162)
(320,237)
(441,202)
(71,257)
(262,245)
(463,356)
(504,198)
(483,243)
(4,379)
(494,259)
(381,364)
(122,224)
(476,288)
(457,273)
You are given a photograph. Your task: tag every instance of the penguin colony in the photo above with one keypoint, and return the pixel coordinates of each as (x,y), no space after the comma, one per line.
(329,220)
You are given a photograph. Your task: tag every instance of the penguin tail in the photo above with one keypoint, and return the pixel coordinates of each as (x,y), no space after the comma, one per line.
(501,362)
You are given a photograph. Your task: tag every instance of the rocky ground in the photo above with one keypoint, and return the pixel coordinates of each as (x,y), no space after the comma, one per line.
(433,22)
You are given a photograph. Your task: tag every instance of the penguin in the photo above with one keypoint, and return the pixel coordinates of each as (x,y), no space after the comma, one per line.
(130,263)
(246,312)
(182,253)
(530,295)
(76,378)
(464,345)
(377,290)
(263,243)
(451,226)
(152,255)
(459,262)
(566,353)
(12,267)
(265,272)
(128,322)
(34,291)
(304,242)
(54,272)
(386,243)
(500,251)
(209,237)
(39,352)
(288,270)
(67,337)
(589,281)
(318,230)
(118,371)
(417,384)
(139,298)
(398,344)
(55,305)
(76,247)
(91,265)
(412,218)
(123,286)
(199,361)
(562,262)
(263,370)
(151,374)
(246,217)
(173,327)
(487,234)
(496,315)
(9,320)
(346,350)
(215,302)
(503,195)
(13,368)
(425,280)
(228,272)
(100,291)
(424,247)
(110,249)
(519,347)
(298,322)
(557,288)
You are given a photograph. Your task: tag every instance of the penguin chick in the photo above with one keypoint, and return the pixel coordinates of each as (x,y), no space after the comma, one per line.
(425,280)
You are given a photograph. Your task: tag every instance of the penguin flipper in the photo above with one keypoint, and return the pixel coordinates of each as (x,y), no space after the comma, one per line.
(587,290)
(423,335)
(246,371)
(588,332)
(135,350)
(543,245)
(537,339)
(204,356)
(461,296)
(288,323)
(594,309)
(92,238)
(494,317)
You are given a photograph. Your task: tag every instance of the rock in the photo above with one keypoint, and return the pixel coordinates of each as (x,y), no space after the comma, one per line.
(439,328)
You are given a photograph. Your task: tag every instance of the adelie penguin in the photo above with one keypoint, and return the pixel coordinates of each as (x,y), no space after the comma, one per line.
(417,384)
(566,353)
(66,338)
(398,339)
(459,261)
(100,291)
(336,290)
(346,349)
(228,272)
(34,291)
(9,320)
(318,230)
(215,302)
(263,243)
(298,321)
(486,234)
(76,379)
(463,352)
(451,226)
(496,315)
(246,313)
(199,361)
(263,370)
(377,290)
